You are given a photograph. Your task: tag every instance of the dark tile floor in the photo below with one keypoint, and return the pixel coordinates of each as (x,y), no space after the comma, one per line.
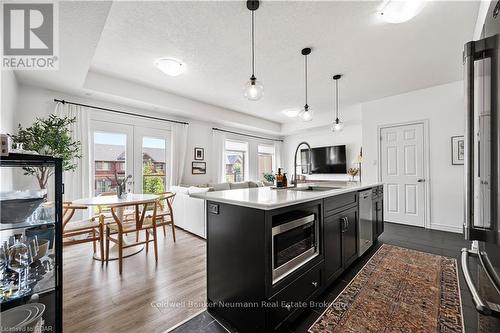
(431,241)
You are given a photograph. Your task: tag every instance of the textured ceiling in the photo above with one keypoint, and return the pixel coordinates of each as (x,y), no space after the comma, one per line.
(213,39)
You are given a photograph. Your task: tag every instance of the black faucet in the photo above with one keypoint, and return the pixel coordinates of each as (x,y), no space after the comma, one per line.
(309,163)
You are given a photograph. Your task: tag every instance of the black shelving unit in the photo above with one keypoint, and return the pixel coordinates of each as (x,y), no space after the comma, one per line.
(47,288)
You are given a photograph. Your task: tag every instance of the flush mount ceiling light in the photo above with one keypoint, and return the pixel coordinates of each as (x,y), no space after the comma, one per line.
(337,125)
(306,114)
(170,66)
(399,11)
(291,112)
(253,89)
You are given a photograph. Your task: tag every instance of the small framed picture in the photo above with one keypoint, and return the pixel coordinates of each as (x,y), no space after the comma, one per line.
(457,150)
(198,168)
(199,154)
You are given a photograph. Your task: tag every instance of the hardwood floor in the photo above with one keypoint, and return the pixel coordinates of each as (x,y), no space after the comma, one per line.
(146,298)
(431,241)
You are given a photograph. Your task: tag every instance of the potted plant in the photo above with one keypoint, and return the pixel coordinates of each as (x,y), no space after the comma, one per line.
(49,136)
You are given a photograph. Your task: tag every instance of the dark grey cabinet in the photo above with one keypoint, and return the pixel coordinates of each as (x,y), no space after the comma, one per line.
(333,247)
(380,216)
(341,245)
(378,212)
(349,236)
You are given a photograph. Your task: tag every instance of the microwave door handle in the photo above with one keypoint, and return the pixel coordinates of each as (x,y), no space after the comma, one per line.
(481,306)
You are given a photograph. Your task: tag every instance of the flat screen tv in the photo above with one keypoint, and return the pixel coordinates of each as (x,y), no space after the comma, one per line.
(325,160)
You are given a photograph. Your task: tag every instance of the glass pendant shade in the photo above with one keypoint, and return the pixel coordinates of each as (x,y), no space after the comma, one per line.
(253,90)
(337,126)
(306,114)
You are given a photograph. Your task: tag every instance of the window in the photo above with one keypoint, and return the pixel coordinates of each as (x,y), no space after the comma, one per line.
(154,157)
(265,158)
(236,161)
(102,185)
(109,157)
(102,166)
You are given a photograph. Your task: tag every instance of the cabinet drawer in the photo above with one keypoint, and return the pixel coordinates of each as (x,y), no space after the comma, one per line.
(335,203)
(299,291)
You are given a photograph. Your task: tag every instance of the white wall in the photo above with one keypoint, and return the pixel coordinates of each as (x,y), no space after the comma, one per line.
(443,106)
(37,102)
(9,94)
(9,101)
(199,136)
(323,136)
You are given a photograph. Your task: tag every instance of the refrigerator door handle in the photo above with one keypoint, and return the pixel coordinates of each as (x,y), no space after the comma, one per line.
(469,137)
(487,48)
(481,306)
(490,270)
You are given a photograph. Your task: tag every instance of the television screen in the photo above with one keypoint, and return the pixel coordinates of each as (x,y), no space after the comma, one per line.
(325,160)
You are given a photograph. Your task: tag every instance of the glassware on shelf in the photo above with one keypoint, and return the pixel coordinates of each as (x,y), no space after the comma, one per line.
(18,262)
(32,253)
(4,260)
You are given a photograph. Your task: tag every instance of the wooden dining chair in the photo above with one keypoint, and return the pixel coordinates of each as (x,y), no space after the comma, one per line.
(165,212)
(143,220)
(89,227)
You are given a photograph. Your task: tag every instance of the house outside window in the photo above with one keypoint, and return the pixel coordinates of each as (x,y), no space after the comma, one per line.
(236,161)
(265,158)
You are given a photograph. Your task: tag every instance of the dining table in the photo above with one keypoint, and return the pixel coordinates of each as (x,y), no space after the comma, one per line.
(109,201)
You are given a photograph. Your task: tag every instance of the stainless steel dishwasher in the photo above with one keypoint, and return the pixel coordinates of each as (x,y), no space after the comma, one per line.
(365,221)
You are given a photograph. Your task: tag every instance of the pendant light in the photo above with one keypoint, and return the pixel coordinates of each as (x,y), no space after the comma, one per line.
(253,89)
(306,114)
(337,126)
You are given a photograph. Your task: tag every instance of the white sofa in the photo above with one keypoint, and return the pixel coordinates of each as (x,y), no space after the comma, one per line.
(190,213)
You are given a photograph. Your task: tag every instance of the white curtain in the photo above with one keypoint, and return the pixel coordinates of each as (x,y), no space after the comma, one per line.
(278,155)
(218,156)
(179,149)
(77,182)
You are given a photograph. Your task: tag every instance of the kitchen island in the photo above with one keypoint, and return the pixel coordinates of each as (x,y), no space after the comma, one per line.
(270,252)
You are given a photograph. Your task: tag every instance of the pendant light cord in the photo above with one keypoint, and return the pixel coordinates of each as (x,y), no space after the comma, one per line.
(253,46)
(337,99)
(306,75)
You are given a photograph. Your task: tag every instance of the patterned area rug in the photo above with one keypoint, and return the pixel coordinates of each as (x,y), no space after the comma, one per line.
(398,290)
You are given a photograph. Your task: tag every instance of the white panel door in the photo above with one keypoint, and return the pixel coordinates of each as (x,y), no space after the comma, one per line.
(402,166)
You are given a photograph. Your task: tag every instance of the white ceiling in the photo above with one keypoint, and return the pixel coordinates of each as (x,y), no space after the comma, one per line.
(213,38)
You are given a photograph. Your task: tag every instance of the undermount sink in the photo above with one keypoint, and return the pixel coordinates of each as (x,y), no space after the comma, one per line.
(316,188)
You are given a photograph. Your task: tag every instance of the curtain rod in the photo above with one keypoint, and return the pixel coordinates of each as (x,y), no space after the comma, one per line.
(120,112)
(243,134)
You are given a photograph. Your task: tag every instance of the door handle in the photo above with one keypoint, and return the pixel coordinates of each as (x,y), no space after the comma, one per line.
(421,180)
(343,224)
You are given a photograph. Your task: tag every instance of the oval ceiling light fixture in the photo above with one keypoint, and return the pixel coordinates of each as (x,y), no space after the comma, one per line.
(170,66)
(337,125)
(291,112)
(306,114)
(399,11)
(253,89)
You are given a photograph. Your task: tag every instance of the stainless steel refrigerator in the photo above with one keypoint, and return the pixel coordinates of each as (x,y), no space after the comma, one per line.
(481,155)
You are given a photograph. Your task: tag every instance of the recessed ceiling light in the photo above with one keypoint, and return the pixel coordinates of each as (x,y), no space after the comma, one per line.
(170,66)
(399,11)
(291,112)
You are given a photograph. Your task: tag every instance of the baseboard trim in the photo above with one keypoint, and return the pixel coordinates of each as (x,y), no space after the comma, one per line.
(446,227)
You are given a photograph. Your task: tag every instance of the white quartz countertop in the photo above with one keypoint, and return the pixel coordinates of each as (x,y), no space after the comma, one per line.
(266,198)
